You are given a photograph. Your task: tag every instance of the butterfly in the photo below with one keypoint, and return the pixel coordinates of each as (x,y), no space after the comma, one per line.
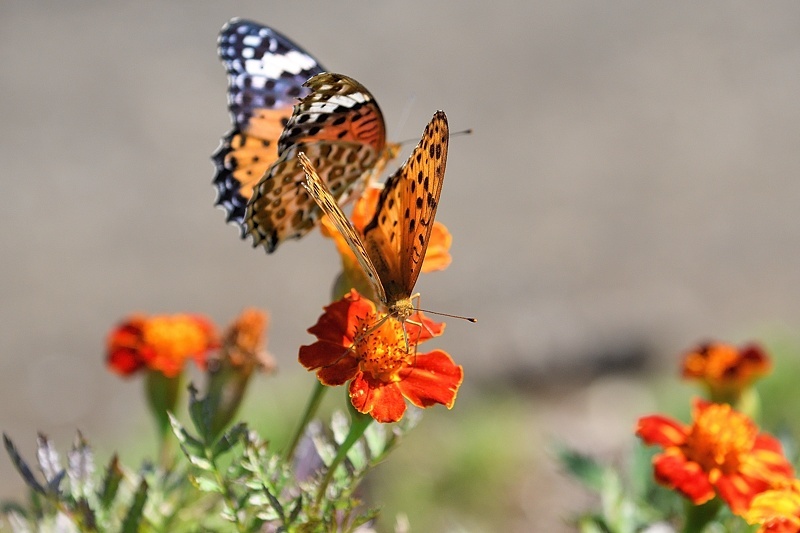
(392,247)
(266,72)
(336,121)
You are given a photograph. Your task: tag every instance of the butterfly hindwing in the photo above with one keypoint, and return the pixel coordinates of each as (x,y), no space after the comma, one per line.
(396,238)
(266,72)
(341,129)
(281,208)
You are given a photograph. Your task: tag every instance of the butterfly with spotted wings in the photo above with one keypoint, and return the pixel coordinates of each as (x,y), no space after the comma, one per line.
(392,247)
(258,178)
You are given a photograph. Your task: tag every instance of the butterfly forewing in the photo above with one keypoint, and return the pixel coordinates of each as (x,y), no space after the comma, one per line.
(266,71)
(397,236)
(327,202)
(341,129)
(338,109)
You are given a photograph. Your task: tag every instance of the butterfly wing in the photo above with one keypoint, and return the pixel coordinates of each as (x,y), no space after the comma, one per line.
(327,202)
(266,71)
(397,236)
(341,129)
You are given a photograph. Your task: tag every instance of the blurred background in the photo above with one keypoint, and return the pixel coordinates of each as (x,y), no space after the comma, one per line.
(629,190)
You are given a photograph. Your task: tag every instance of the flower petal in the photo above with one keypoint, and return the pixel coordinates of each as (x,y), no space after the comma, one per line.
(320,354)
(433,379)
(438,257)
(339,372)
(738,490)
(778,511)
(382,401)
(338,324)
(657,429)
(428,330)
(124,361)
(674,471)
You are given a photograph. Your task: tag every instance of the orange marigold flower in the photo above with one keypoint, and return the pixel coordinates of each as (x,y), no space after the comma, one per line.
(724,368)
(161,343)
(721,452)
(243,344)
(381,368)
(777,510)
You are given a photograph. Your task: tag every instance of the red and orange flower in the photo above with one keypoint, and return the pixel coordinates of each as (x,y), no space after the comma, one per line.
(777,510)
(380,361)
(725,369)
(161,343)
(720,453)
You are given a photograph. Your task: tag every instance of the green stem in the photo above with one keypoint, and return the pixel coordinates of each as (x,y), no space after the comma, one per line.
(357,428)
(698,516)
(311,409)
(227,494)
(162,397)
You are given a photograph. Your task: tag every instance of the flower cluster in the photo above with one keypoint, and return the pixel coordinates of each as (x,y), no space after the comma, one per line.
(722,453)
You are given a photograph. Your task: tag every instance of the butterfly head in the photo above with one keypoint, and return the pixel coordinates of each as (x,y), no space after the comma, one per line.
(401,309)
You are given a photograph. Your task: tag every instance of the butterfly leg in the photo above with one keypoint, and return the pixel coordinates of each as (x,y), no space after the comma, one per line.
(361,336)
(418,298)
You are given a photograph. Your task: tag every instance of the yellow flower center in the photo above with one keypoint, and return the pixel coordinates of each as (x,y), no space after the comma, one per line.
(175,337)
(382,352)
(720,439)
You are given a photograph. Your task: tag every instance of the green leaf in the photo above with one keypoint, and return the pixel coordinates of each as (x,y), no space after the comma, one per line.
(231,438)
(21,466)
(592,524)
(88,519)
(201,462)
(201,415)
(81,467)
(48,459)
(134,516)
(273,501)
(375,439)
(582,467)
(298,506)
(208,485)
(184,438)
(54,485)
(111,480)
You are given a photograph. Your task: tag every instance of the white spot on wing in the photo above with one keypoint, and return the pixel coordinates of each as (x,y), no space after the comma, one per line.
(273,65)
(252,40)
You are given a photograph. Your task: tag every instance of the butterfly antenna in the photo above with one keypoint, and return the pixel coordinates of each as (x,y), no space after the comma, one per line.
(467,318)
(454,134)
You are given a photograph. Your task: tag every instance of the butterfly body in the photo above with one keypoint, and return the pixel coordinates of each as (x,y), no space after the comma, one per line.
(393,245)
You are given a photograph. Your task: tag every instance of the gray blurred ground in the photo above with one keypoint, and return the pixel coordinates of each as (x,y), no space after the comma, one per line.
(631,186)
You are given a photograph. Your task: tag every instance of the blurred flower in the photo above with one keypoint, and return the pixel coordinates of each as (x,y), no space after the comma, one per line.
(725,369)
(229,371)
(437,256)
(776,511)
(721,452)
(351,346)
(160,343)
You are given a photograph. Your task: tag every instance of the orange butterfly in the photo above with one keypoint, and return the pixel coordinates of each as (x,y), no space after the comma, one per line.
(340,125)
(394,242)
